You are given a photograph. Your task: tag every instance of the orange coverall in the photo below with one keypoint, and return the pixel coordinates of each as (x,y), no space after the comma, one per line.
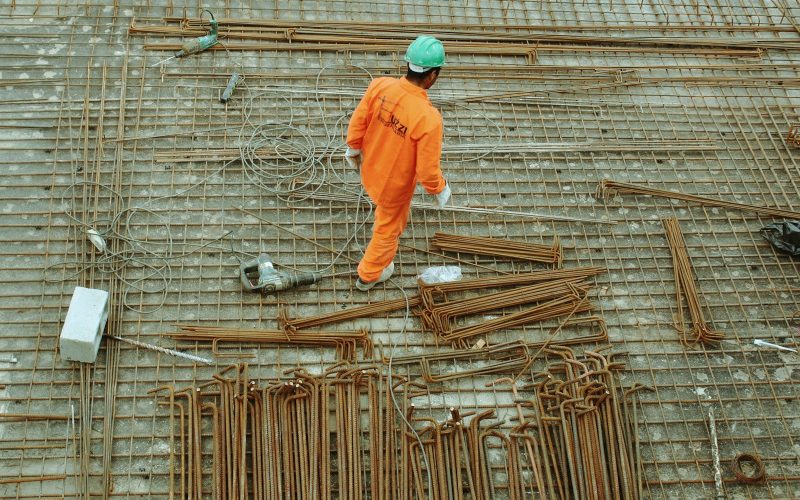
(399,133)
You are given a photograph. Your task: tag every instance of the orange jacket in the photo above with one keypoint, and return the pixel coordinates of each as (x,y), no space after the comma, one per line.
(399,133)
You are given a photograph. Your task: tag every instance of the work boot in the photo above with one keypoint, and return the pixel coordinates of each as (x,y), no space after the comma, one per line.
(385,275)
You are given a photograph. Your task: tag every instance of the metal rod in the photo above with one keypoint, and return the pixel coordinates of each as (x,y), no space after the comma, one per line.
(712,426)
(608,188)
(164,350)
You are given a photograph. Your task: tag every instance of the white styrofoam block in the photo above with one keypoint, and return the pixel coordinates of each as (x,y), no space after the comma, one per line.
(84,325)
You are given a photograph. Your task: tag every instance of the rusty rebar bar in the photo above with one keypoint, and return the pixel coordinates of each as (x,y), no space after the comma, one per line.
(685,288)
(609,188)
(500,247)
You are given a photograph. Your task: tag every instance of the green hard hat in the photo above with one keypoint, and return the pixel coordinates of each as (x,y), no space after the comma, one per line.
(424,53)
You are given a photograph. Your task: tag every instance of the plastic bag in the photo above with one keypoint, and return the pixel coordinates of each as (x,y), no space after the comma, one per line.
(785,236)
(440,274)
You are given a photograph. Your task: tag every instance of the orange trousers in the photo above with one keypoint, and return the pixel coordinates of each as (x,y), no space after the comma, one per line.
(389,225)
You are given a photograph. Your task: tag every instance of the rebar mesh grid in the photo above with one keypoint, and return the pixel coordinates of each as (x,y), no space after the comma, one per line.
(83,108)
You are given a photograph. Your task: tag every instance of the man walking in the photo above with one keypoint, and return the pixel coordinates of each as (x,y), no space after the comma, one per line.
(395,139)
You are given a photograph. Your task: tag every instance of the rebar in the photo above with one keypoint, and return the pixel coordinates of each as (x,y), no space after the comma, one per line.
(573,436)
(33,479)
(335,435)
(499,247)
(729,141)
(504,148)
(346,343)
(430,293)
(512,358)
(685,288)
(275,442)
(712,428)
(554,293)
(373,309)
(173,352)
(608,188)
(279,35)
(351,199)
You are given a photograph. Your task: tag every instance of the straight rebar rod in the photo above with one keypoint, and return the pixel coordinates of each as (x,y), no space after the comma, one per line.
(33,479)
(165,350)
(31,416)
(348,198)
(712,426)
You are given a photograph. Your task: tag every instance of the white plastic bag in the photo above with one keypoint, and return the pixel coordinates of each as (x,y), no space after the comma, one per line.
(440,274)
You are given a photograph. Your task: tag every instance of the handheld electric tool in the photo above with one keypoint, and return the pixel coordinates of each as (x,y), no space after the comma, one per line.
(268,279)
(198,44)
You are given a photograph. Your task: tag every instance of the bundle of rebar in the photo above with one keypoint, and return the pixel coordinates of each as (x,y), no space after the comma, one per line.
(608,188)
(685,289)
(580,431)
(499,247)
(373,309)
(564,306)
(345,342)
(439,318)
(576,438)
(351,432)
(551,299)
(511,357)
(431,293)
(553,294)
(468,39)
(303,438)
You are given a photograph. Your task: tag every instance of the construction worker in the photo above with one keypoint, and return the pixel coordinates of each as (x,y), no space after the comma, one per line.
(395,139)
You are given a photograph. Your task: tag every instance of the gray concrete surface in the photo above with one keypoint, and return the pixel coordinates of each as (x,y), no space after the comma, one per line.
(90,131)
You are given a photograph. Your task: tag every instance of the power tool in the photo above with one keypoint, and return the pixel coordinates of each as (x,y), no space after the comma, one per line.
(198,44)
(268,279)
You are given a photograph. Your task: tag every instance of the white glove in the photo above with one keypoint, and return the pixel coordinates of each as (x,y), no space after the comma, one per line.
(444,195)
(353,157)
